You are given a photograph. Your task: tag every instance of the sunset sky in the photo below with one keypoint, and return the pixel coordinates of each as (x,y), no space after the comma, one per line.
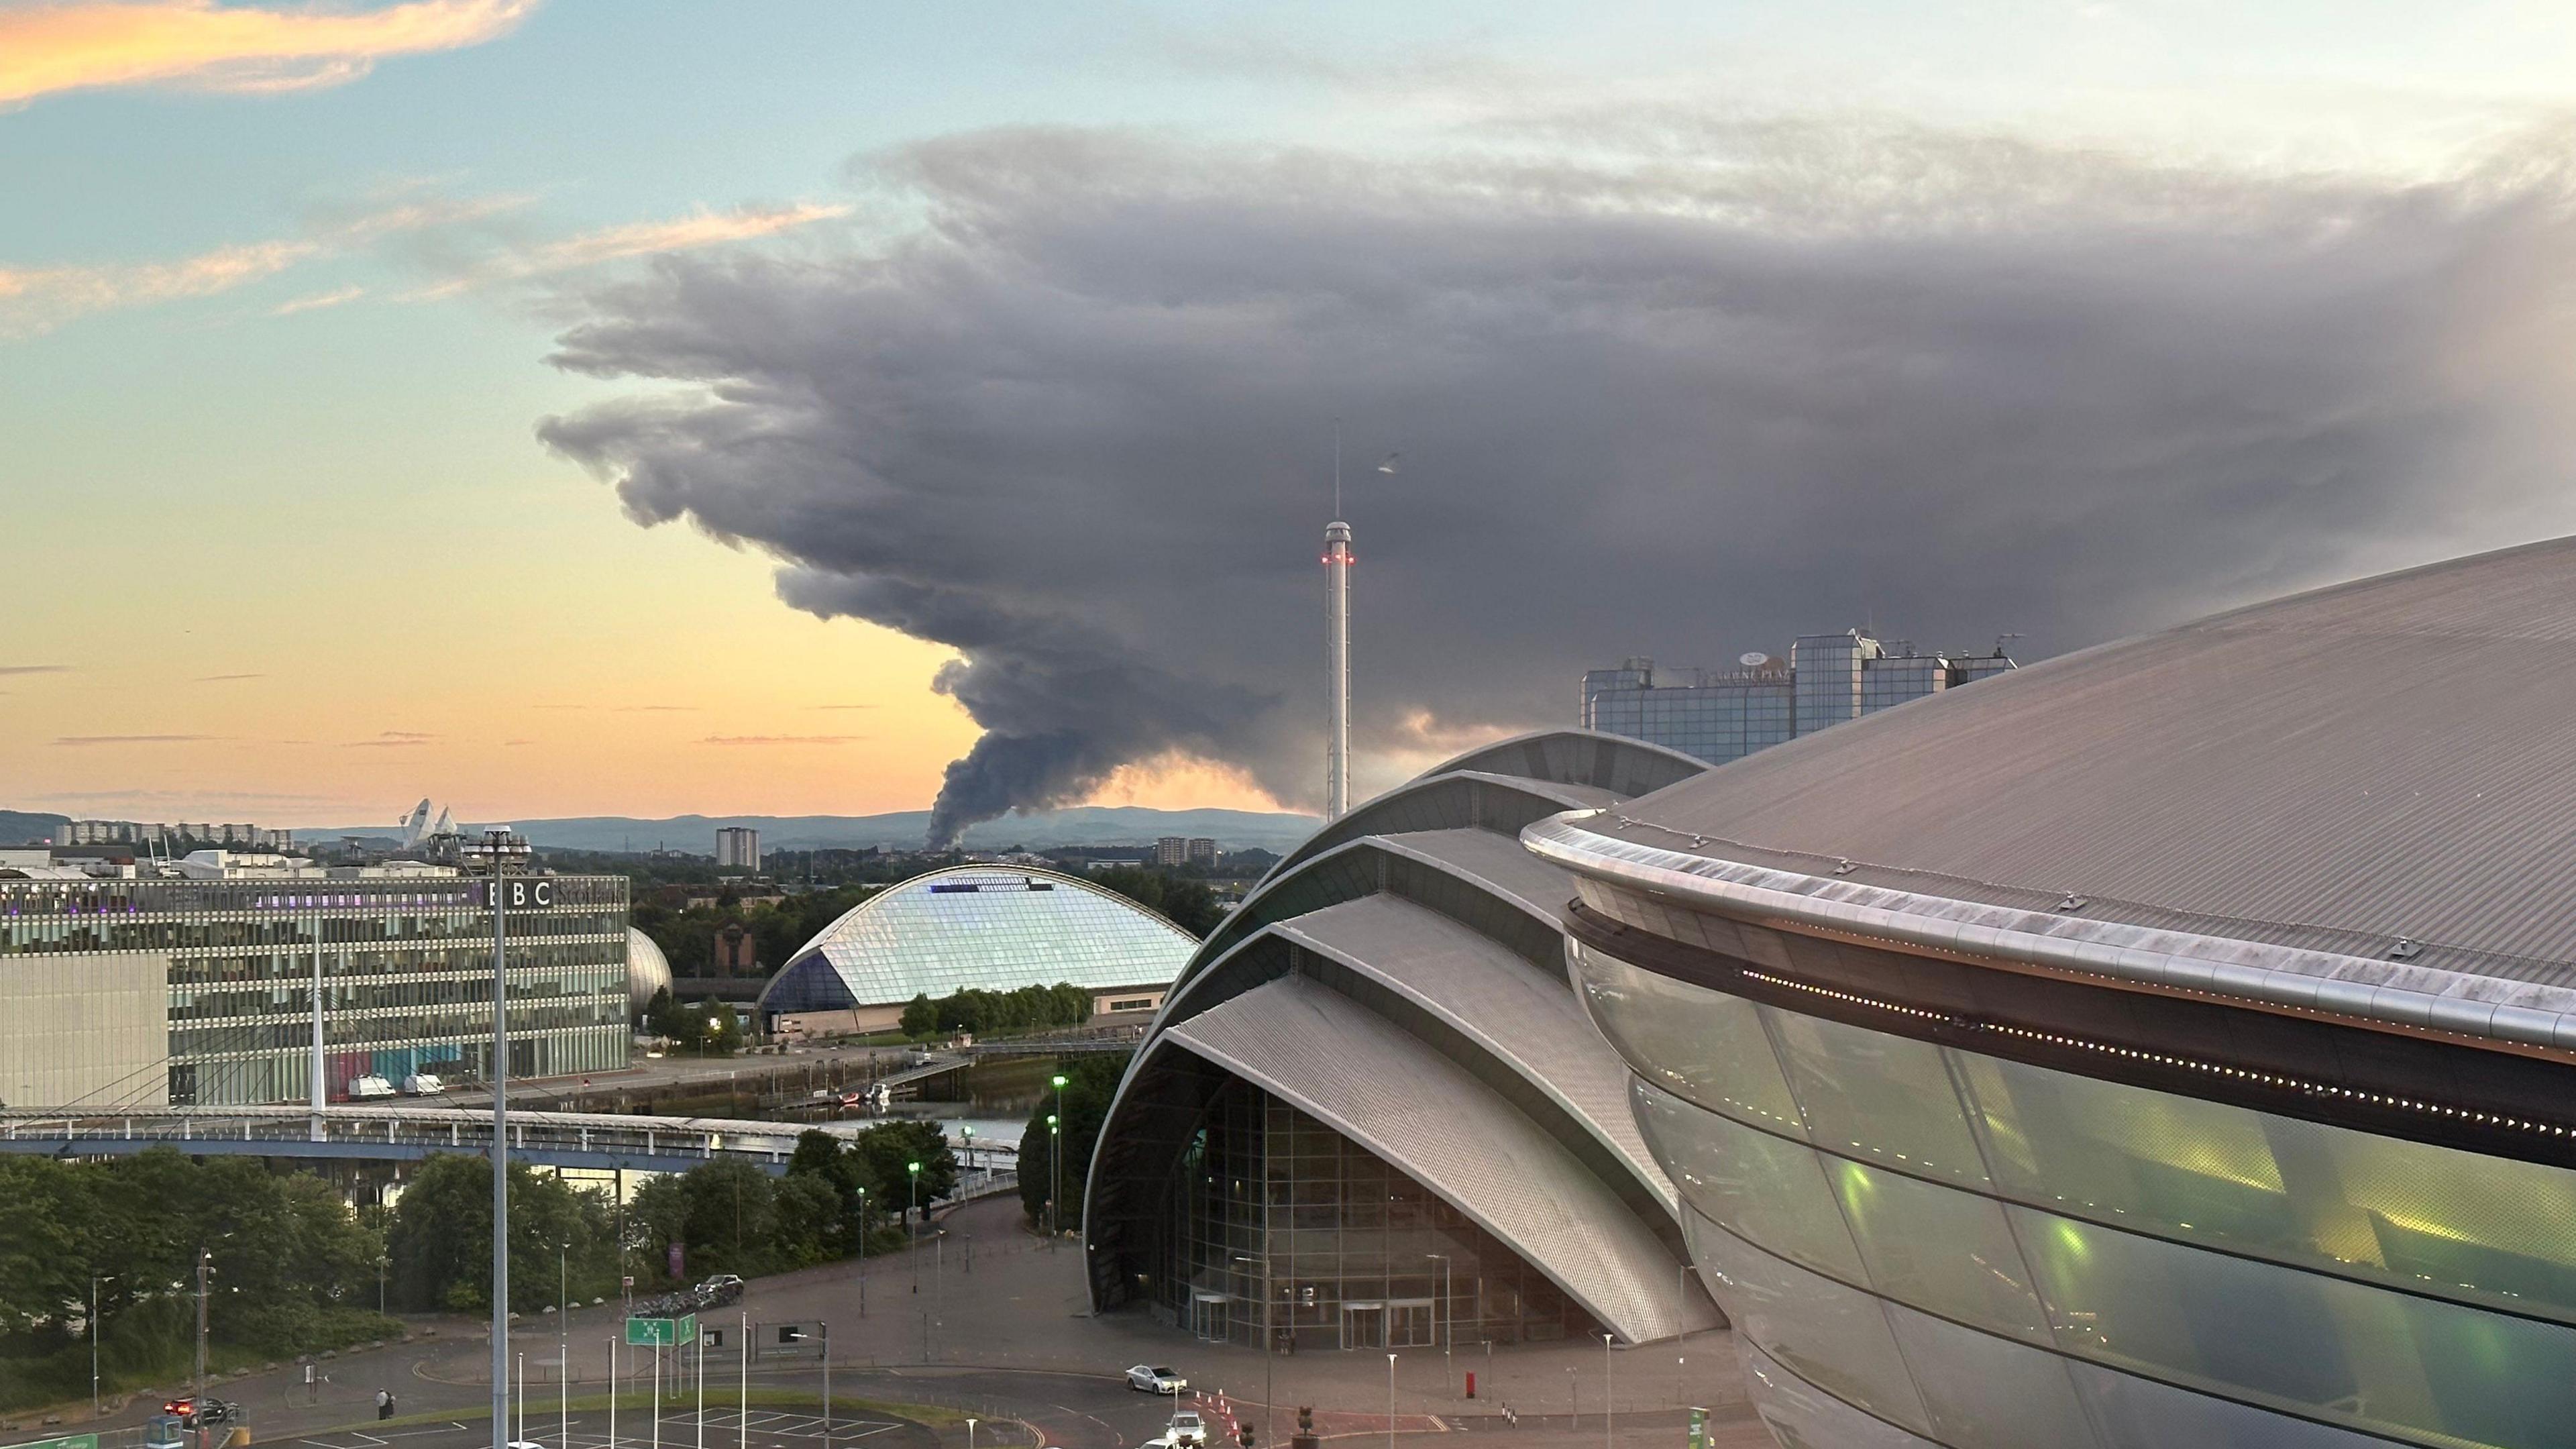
(346,350)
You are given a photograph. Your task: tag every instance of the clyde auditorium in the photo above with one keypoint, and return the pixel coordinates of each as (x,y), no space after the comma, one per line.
(2165,1044)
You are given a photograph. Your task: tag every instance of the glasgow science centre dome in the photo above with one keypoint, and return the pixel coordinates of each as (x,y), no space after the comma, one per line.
(2170,1043)
(984,927)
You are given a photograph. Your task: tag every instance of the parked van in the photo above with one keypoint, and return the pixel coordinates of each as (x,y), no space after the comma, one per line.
(423,1084)
(368,1089)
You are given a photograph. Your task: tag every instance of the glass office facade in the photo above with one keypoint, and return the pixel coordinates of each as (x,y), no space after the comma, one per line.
(1719,716)
(1279,1225)
(406,976)
(1964,1250)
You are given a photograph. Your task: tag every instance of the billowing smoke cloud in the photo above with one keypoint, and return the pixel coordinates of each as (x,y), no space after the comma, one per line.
(1686,388)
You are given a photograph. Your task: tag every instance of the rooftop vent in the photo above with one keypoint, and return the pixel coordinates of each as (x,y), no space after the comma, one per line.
(2406,949)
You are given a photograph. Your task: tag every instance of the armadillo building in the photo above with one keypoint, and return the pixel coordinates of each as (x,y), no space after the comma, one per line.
(2171,1043)
(1371,1113)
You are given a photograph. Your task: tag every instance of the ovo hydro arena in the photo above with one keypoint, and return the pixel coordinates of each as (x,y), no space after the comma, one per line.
(2170,1043)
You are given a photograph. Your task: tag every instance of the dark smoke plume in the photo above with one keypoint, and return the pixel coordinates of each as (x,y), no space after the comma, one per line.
(1683,388)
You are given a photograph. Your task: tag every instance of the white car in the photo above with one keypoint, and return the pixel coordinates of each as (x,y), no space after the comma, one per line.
(1146,1378)
(1186,1428)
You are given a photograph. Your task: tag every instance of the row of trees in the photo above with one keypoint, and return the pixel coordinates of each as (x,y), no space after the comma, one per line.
(1050,1158)
(724,1216)
(687,937)
(709,1028)
(1185,901)
(984,1012)
(292,1268)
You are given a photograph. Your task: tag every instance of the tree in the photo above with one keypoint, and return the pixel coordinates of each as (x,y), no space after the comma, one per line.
(1186,903)
(440,1244)
(1091,1083)
(920,1017)
(731,1217)
(289,1255)
(884,1152)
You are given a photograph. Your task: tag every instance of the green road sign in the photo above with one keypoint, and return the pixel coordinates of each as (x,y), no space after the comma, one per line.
(68,1441)
(1699,1429)
(655,1332)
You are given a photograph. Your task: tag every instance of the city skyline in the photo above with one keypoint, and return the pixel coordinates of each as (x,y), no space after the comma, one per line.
(323,325)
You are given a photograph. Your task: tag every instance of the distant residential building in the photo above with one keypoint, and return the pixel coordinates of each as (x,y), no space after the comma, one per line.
(135,832)
(1171,850)
(1201,852)
(737,848)
(1722,715)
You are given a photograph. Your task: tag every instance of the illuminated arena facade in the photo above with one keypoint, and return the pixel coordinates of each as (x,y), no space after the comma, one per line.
(2170,1043)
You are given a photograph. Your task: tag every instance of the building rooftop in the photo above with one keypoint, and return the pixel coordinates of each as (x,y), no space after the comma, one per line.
(2382,769)
(988,928)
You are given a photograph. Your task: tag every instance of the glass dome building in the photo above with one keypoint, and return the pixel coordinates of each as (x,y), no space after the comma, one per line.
(979,927)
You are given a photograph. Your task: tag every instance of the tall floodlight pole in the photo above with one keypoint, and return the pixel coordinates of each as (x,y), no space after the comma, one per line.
(319,1132)
(1337,659)
(499,848)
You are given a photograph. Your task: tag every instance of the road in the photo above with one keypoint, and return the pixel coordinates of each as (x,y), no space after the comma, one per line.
(998,1326)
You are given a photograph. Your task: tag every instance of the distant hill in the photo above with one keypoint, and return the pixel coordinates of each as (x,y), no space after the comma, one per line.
(905,829)
(20,827)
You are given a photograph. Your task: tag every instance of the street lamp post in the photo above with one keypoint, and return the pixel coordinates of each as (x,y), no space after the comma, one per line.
(94,1280)
(863,1252)
(1269,1346)
(498,848)
(1390,1401)
(1055,1165)
(1055,1209)
(911,1240)
(1609,1404)
(1448,1316)
(563,1344)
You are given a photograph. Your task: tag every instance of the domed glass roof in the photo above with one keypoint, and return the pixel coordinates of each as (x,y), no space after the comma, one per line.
(989,928)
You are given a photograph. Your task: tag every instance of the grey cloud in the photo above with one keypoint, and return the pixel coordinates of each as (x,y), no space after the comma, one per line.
(1680,385)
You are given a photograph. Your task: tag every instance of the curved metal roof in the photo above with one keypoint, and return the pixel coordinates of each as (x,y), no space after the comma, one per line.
(2385,760)
(980,927)
(1429,945)
(1370,1081)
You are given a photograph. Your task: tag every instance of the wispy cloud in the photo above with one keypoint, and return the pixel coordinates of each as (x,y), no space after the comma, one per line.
(35,669)
(390,740)
(657,709)
(316,301)
(39,299)
(226,678)
(80,44)
(131,739)
(781,739)
(36,300)
(632,239)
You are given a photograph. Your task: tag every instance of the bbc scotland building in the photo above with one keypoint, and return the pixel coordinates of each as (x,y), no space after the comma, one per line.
(139,992)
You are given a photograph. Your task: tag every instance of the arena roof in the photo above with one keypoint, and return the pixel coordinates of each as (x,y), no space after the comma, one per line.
(2384,769)
(986,928)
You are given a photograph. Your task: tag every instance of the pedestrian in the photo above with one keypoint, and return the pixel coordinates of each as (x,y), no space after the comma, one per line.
(384,1404)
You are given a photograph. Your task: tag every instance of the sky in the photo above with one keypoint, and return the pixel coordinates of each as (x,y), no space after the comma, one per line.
(560,407)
